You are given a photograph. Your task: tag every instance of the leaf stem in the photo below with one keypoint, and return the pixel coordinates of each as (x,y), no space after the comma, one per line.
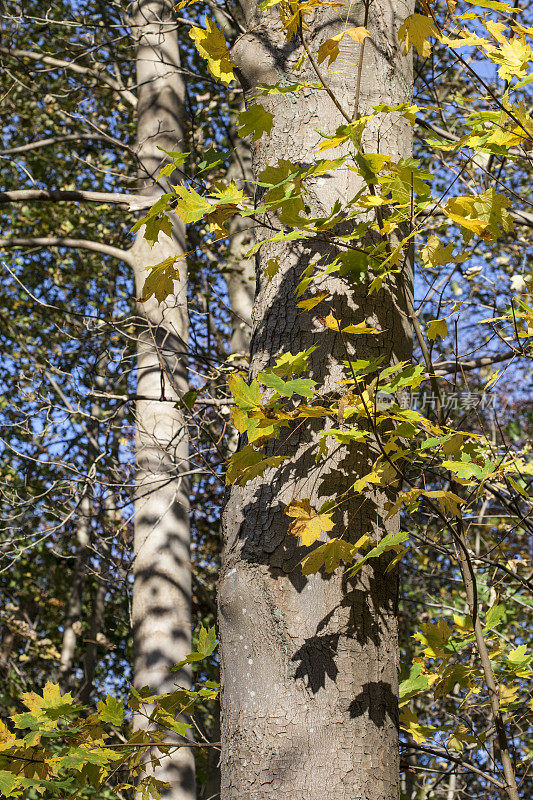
(360,65)
(320,76)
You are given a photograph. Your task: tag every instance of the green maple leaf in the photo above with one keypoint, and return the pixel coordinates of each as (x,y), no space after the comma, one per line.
(434,637)
(191,206)
(247,464)
(111,710)
(413,685)
(246,397)
(156,225)
(285,192)
(329,556)
(211,158)
(302,386)
(10,784)
(160,281)
(207,640)
(288,364)
(255,120)
(391,541)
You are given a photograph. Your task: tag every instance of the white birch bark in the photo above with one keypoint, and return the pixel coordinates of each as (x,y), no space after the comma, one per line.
(162,583)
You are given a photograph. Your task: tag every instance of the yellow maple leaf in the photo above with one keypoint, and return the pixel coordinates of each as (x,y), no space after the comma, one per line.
(508,694)
(437,327)
(361,327)
(415,31)
(7,739)
(357,34)
(308,524)
(514,56)
(461,210)
(330,322)
(485,215)
(459,738)
(211,45)
(496,30)
(409,722)
(331,47)
(465,38)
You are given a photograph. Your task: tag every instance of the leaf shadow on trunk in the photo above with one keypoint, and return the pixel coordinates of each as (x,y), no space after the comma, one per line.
(366,604)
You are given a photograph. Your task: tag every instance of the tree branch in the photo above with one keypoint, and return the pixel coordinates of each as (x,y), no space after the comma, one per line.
(53,140)
(522,217)
(445,367)
(98,72)
(442,753)
(62,241)
(135,202)
(221,402)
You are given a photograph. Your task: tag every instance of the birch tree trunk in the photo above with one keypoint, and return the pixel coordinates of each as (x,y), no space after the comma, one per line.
(162,585)
(309,665)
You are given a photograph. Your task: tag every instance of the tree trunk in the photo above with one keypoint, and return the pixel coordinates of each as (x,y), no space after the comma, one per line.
(162,586)
(90,658)
(240,283)
(309,665)
(73,622)
(240,277)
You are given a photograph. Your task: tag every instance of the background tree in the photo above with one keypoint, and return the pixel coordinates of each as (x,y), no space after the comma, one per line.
(109,76)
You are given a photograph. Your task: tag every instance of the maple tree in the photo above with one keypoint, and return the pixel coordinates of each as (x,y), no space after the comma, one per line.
(341,482)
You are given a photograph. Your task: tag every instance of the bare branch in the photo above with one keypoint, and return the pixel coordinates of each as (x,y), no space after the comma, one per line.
(70,137)
(221,402)
(522,217)
(445,367)
(99,72)
(62,241)
(440,752)
(135,202)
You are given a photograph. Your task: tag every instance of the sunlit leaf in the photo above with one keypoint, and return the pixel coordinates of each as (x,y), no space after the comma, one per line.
(308,524)
(436,328)
(212,46)
(415,32)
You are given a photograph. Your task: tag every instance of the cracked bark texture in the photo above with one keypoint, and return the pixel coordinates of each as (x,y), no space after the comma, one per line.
(309,664)
(162,576)
(240,271)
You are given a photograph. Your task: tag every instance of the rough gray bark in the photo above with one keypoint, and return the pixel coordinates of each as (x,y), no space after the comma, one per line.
(309,665)
(240,283)
(240,277)
(162,586)
(211,787)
